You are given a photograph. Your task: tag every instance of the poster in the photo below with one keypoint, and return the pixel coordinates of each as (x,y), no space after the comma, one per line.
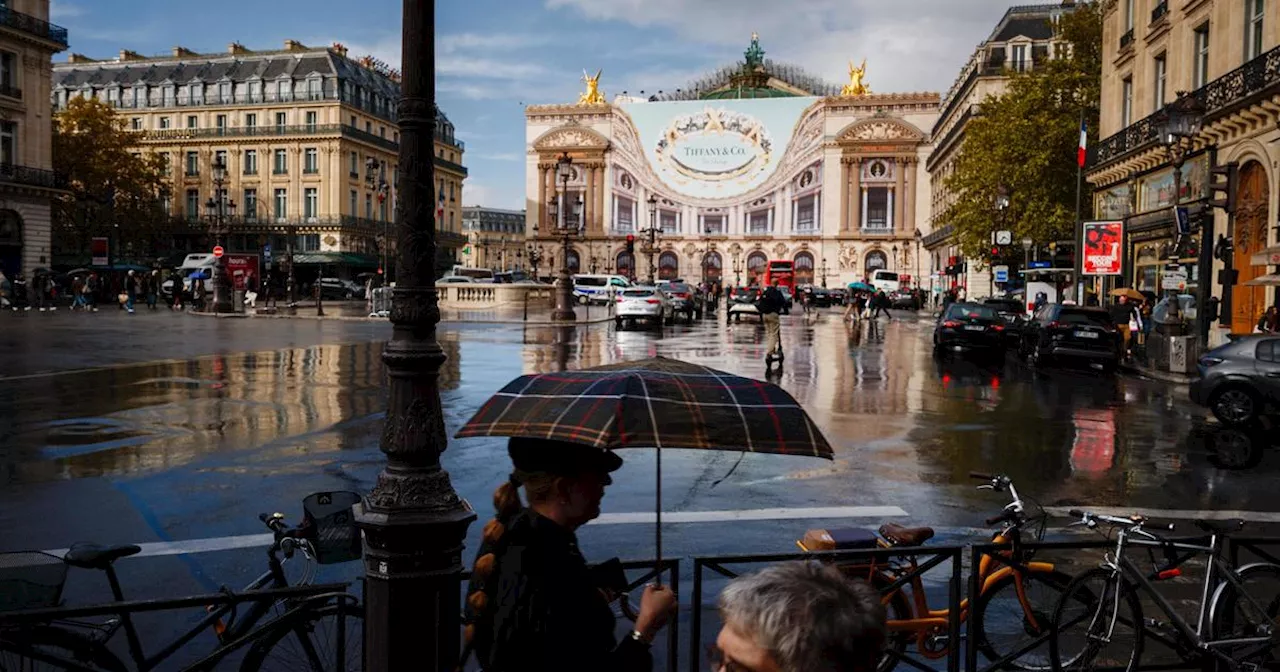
(243,269)
(98,250)
(1103,243)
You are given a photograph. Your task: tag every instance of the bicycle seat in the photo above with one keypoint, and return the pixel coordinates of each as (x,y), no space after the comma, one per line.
(906,536)
(96,556)
(1221,526)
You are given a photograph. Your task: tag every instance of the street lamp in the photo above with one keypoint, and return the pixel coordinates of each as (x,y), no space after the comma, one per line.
(893,257)
(414,522)
(652,231)
(375,178)
(1178,125)
(219,211)
(567,228)
(824,272)
(918,237)
(737,269)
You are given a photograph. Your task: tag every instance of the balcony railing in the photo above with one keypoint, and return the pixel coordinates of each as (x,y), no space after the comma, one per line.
(450,140)
(1255,79)
(35,177)
(387,112)
(1160,11)
(1126,39)
(10,90)
(268,131)
(33,26)
(449,165)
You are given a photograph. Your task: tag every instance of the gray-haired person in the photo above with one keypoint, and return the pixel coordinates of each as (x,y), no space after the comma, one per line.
(799,617)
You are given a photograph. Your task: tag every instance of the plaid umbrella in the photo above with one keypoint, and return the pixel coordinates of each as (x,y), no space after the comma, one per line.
(652,403)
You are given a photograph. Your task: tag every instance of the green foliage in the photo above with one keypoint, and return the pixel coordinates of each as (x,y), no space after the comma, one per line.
(114,184)
(1025,140)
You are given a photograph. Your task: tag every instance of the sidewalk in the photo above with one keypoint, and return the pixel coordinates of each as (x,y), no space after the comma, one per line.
(357,311)
(1135,369)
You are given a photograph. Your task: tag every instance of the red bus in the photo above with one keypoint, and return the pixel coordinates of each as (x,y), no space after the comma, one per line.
(782,271)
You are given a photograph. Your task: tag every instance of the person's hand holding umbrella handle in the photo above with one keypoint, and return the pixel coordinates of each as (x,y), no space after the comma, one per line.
(657,606)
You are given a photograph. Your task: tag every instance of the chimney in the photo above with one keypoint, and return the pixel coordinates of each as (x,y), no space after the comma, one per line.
(127,55)
(237,48)
(294,45)
(79,58)
(180,52)
(340,48)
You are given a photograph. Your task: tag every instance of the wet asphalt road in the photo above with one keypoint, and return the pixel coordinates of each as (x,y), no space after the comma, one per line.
(165,427)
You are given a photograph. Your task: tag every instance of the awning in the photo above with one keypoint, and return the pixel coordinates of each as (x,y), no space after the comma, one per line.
(1267,257)
(340,258)
(1272,280)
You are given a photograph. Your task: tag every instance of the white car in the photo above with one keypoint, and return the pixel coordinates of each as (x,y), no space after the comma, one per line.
(643,303)
(456,280)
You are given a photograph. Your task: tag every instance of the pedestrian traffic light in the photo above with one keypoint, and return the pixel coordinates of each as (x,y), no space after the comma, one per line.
(1225,181)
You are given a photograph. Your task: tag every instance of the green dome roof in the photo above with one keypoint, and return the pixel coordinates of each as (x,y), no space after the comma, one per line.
(733,92)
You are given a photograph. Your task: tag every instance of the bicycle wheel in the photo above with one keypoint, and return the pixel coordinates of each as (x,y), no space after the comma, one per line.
(1003,626)
(311,640)
(1233,617)
(39,648)
(1097,624)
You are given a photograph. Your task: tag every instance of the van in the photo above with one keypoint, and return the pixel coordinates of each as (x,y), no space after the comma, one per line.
(477,274)
(885,281)
(597,288)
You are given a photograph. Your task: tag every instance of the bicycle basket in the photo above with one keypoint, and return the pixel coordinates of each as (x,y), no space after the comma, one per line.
(31,580)
(332,529)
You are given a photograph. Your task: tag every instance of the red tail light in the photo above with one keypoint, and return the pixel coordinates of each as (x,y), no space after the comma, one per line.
(998,327)
(950,324)
(653,300)
(618,299)
(1053,325)
(681,295)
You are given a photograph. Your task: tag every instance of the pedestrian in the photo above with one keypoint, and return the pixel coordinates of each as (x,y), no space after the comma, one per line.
(769,305)
(1269,323)
(40,291)
(132,288)
(4,291)
(799,617)
(177,289)
(21,298)
(153,288)
(880,304)
(1122,314)
(92,286)
(533,603)
(197,294)
(77,294)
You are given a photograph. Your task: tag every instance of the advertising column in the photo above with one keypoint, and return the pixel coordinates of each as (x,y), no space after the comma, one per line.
(1101,251)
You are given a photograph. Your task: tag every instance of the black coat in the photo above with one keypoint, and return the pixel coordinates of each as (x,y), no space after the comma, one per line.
(545,610)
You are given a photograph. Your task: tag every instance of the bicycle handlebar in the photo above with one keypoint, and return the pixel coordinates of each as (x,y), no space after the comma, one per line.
(981,476)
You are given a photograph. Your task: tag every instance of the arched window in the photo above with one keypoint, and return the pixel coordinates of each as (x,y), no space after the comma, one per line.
(575,263)
(876,260)
(712,267)
(804,268)
(756,262)
(668,266)
(625,265)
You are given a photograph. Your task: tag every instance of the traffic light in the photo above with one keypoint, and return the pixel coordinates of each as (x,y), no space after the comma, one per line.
(1225,181)
(631,244)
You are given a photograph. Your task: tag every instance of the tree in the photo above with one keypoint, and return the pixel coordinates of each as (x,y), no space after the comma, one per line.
(1025,140)
(115,186)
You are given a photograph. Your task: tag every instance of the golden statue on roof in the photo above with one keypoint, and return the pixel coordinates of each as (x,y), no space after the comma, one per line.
(855,87)
(593,95)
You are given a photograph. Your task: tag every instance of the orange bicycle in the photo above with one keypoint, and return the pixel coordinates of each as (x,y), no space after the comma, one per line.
(1014,606)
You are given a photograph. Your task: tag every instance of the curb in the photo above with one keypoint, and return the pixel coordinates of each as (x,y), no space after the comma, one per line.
(352,318)
(1160,376)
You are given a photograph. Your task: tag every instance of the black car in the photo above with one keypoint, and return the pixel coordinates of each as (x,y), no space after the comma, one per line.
(904,299)
(685,300)
(1059,332)
(969,327)
(1014,315)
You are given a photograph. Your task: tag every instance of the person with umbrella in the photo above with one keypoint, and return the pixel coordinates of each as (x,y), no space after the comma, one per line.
(533,603)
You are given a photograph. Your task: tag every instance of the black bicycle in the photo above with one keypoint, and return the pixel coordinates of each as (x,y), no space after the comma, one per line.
(283,627)
(1099,621)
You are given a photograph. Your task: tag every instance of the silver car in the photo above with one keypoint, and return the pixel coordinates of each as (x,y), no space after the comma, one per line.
(1240,381)
(643,303)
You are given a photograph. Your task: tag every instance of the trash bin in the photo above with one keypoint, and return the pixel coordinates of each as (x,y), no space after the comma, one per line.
(1182,354)
(237,300)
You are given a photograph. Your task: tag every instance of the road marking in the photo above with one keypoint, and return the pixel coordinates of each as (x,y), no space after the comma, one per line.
(1169,514)
(190,546)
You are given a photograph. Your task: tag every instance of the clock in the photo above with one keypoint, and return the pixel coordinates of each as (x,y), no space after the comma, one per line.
(1004,237)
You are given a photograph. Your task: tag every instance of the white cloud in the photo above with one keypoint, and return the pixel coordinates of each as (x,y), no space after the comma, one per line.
(488,42)
(61,11)
(475,193)
(487,68)
(499,156)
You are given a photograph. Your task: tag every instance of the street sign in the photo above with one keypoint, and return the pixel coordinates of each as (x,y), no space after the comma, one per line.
(218,251)
(1001,273)
(467,250)
(1040,264)
(1175,279)
(1004,237)
(266,252)
(1184,219)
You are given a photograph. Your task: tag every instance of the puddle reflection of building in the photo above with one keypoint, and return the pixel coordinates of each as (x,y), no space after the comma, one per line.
(230,403)
(551,349)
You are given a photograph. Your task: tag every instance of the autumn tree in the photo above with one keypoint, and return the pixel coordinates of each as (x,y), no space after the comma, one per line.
(1026,140)
(115,186)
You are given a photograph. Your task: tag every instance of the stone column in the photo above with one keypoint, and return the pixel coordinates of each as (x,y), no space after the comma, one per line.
(540,210)
(899,167)
(588,199)
(910,208)
(845,181)
(858,195)
(863,201)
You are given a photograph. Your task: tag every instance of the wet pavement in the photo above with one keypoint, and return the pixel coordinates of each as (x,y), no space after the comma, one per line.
(169,428)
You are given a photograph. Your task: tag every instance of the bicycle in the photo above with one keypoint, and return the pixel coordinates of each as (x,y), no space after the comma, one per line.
(51,638)
(1235,624)
(1024,589)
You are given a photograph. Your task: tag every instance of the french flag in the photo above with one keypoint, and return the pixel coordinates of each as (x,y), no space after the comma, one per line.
(1084,142)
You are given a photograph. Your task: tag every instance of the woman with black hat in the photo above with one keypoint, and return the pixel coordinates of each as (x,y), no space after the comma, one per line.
(533,603)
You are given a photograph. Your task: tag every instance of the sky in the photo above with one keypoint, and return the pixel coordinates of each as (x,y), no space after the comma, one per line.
(494,57)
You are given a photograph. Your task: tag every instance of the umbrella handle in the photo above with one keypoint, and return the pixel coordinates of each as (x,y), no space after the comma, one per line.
(624,601)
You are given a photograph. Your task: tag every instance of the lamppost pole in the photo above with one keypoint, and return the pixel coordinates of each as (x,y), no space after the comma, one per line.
(375,178)
(650,248)
(919,237)
(414,522)
(219,210)
(564,290)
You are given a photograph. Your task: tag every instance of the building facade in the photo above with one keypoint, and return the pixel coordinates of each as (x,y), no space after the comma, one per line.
(1023,39)
(308,138)
(1224,54)
(495,238)
(757,162)
(27,182)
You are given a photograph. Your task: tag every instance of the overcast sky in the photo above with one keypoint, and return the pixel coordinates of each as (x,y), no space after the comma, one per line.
(496,56)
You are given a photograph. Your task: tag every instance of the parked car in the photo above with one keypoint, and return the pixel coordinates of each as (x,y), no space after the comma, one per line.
(904,299)
(839,297)
(649,304)
(684,299)
(456,280)
(788,301)
(969,327)
(1240,381)
(1060,332)
(335,288)
(1014,315)
(742,301)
